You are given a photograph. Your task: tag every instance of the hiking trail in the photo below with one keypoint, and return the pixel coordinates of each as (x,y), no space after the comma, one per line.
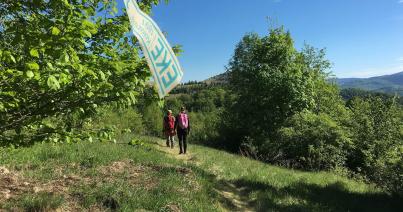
(231,194)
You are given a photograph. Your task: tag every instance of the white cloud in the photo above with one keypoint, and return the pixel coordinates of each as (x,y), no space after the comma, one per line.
(401,58)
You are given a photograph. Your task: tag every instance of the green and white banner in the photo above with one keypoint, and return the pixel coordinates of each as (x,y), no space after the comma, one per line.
(161,59)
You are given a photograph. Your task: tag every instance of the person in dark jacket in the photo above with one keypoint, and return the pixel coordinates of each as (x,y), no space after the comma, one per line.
(182,126)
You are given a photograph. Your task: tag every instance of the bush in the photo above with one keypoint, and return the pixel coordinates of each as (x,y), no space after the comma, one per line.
(152,119)
(388,174)
(392,179)
(204,127)
(125,120)
(377,135)
(313,142)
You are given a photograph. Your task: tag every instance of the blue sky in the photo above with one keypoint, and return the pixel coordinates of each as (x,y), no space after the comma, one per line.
(363,38)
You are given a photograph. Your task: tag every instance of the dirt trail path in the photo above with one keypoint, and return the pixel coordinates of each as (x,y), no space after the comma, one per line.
(174,152)
(233,200)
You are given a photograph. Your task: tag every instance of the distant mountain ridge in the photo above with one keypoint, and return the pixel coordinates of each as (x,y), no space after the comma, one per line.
(387,83)
(390,84)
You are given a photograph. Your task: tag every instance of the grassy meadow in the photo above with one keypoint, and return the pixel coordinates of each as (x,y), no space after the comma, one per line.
(149,176)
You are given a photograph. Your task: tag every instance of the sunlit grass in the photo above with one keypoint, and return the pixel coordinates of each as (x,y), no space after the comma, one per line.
(107,176)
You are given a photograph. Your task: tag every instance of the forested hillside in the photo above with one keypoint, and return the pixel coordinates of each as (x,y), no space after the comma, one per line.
(388,83)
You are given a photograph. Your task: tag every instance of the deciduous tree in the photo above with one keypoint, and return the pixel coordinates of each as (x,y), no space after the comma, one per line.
(61,57)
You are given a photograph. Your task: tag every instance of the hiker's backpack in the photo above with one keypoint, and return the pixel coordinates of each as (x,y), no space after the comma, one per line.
(183,121)
(170,122)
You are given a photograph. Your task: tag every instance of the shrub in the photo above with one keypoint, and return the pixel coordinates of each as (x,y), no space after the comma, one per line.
(388,174)
(313,141)
(204,127)
(124,120)
(377,135)
(153,118)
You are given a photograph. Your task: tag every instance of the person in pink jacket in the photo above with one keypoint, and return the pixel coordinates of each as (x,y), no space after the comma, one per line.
(182,126)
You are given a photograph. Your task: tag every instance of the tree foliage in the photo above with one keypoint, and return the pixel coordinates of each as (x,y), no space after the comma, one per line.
(63,57)
(377,135)
(313,141)
(272,81)
(153,117)
(349,94)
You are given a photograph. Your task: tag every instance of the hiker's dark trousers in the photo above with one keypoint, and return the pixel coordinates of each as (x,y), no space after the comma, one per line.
(182,134)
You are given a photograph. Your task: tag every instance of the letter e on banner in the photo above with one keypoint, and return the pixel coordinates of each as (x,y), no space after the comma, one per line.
(160,57)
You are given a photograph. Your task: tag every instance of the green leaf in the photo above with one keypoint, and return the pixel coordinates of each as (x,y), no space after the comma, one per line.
(91,73)
(132,96)
(114,10)
(18,73)
(55,31)
(8,57)
(37,76)
(49,65)
(102,75)
(2,108)
(68,139)
(66,2)
(11,57)
(88,24)
(53,83)
(34,53)
(64,58)
(29,74)
(64,79)
(32,66)
(90,11)
(86,33)
(90,94)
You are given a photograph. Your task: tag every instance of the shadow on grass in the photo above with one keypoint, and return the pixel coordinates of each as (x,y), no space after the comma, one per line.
(249,195)
(302,196)
(253,195)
